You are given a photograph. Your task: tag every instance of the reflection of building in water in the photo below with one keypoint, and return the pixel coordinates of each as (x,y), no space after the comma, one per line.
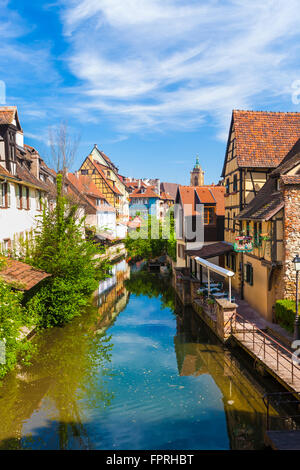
(198,352)
(112,297)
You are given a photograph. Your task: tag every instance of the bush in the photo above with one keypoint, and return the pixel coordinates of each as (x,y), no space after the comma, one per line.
(285,311)
(12,318)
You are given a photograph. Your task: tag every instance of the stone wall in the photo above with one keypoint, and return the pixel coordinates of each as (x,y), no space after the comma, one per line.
(291,195)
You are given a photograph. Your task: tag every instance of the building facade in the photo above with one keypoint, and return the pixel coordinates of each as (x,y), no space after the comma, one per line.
(257,144)
(106,177)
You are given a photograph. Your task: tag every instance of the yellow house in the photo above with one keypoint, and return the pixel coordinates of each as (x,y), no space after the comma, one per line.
(257,144)
(273,220)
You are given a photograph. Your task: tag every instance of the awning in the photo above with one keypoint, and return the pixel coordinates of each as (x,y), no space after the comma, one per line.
(216,269)
(210,251)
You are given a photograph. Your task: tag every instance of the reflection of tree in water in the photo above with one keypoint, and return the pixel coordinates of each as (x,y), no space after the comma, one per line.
(69,367)
(152,285)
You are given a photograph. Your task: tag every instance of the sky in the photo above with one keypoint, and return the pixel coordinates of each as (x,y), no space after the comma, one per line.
(152,82)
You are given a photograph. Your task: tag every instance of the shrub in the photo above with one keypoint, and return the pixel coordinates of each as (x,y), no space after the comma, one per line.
(285,311)
(12,318)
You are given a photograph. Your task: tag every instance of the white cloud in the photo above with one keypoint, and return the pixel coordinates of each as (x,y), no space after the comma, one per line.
(150,64)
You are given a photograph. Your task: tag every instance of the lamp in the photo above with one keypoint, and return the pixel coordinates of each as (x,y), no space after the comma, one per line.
(296,262)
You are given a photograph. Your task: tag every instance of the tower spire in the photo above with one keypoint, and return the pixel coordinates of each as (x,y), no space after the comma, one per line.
(197,174)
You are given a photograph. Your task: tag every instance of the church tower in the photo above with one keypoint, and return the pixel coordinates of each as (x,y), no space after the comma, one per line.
(197,174)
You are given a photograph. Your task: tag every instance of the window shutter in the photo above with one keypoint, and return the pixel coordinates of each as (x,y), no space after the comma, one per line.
(8,194)
(251,275)
(2,195)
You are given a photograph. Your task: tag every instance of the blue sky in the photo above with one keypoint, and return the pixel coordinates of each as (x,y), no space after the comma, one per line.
(152,82)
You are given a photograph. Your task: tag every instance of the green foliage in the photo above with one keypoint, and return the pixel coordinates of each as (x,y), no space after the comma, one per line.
(61,249)
(152,239)
(285,311)
(12,318)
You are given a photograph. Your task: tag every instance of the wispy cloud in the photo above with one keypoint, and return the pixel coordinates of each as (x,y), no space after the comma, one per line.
(148,64)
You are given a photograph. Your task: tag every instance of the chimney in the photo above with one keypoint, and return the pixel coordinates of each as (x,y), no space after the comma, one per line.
(139,183)
(35,165)
(95,146)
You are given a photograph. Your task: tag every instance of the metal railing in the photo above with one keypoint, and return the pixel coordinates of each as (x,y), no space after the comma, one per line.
(275,355)
(282,400)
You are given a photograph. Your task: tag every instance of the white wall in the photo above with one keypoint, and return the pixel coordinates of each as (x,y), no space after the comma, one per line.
(106,220)
(15,221)
(121,231)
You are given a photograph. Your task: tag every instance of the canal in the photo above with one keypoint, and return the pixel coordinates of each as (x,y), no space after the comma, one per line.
(135,371)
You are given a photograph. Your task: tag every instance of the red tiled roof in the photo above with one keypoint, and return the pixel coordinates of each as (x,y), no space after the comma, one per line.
(290,179)
(99,169)
(170,188)
(204,194)
(22,275)
(88,192)
(4,172)
(166,196)
(187,197)
(7,114)
(262,139)
(85,185)
(148,192)
(219,195)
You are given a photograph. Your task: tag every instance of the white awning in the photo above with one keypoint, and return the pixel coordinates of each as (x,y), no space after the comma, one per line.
(216,269)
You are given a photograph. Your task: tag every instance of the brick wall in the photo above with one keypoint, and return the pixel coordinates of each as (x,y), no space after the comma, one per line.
(291,195)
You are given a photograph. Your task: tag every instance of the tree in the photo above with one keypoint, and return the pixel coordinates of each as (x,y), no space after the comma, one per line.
(63,147)
(61,249)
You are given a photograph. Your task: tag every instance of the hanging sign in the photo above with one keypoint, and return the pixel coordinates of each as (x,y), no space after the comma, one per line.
(243,244)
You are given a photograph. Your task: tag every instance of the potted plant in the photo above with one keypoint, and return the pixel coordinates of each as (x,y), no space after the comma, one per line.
(211,304)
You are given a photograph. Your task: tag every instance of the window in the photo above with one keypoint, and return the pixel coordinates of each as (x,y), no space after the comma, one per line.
(39,200)
(227,186)
(228,220)
(247,229)
(233,263)
(84,172)
(209,215)
(235,184)
(4,195)
(19,196)
(249,273)
(257,233)
(27,198)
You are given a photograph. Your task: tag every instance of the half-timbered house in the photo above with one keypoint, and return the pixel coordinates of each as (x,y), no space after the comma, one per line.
(257,143)
(107,179)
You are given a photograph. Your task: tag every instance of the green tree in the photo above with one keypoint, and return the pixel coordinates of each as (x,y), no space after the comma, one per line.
(61,249)
(152,239)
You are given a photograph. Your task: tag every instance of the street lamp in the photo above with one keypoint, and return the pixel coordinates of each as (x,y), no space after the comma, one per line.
(296,262)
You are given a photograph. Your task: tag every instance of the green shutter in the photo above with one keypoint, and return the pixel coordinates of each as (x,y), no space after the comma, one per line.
(251,275)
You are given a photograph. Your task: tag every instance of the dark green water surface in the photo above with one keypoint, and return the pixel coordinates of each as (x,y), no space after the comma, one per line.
(135,372)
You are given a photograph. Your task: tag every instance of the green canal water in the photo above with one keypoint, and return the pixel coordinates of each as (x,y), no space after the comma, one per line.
(136,371)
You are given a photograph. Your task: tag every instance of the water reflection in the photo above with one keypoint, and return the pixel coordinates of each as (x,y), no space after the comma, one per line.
(198,352)
(134,372)
(40,405)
